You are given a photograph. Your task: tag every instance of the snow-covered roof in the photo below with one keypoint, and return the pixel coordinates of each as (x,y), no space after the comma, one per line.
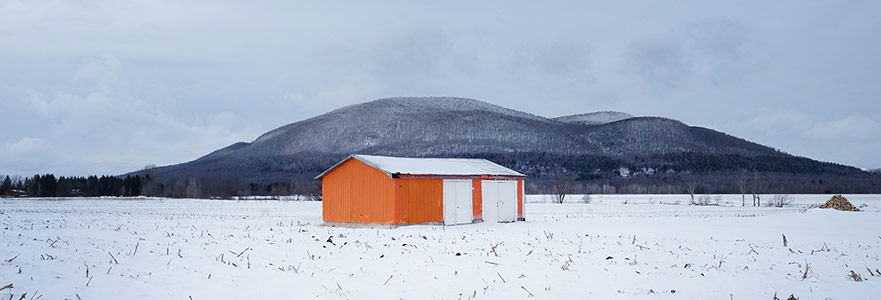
(429,166)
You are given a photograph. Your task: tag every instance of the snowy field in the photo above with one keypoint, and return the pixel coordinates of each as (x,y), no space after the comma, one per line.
(616,247)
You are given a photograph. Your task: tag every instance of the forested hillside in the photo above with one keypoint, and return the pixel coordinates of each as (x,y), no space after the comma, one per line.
(629,154)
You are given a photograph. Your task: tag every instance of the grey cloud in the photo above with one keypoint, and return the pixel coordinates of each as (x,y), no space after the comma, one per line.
(106,125)
(660,63)
(560,58)
(713,52)
(792,121)
(182,78)
(717,39)
(854,128)
(417,56)
(721,51)
(27,155)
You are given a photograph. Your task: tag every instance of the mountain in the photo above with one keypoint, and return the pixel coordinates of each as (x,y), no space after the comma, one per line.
(596,146)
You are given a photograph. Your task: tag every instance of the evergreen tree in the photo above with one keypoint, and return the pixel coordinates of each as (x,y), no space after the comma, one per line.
(17,183)
(48,186)
(127,186)
(34,186)
(64,187)
(136,185)
(6,186)
(92,188)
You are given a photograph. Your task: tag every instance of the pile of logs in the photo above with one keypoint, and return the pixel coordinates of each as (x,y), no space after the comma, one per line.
(840,203)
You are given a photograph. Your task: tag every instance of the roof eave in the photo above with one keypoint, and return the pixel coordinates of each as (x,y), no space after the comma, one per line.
(353,156)
(333,167)
(366,162)
(389,174)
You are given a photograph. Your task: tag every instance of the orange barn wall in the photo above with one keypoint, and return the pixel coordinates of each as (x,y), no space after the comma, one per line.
(477,198)
(356,192)
(419,200)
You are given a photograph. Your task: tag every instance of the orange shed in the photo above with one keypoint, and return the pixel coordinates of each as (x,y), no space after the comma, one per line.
(401,190)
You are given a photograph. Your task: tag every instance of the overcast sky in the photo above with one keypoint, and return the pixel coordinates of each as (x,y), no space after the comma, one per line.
(107,87)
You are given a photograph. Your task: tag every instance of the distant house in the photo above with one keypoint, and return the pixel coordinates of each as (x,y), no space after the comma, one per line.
(15,193)
(398,190)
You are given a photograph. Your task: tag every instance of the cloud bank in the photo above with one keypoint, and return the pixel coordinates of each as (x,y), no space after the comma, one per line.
(107,87)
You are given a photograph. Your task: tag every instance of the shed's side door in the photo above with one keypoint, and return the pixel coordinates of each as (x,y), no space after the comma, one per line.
(449,203)
(457,202)
(507,201)
(464,207)
(499,200)
(489,191)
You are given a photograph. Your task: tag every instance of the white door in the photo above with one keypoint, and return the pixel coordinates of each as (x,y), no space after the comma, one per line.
(489,191)
(464,202)
(499,200)
(457,202)
(508,201)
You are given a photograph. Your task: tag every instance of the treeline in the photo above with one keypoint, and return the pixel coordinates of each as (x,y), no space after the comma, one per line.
(227,188)
(670,173)
(542,164)
(660,174)
(48,185)
(708,183)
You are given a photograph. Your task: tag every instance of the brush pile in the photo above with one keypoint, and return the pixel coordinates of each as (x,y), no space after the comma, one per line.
(840,203)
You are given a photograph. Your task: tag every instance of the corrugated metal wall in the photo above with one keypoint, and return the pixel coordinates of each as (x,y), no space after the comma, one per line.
(419,200)
(356,192)
(477,198)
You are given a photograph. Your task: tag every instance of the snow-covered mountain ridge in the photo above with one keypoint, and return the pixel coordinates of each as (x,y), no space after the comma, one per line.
(461,127)
(595,118)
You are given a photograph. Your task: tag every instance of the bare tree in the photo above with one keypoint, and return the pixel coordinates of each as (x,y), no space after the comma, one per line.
(703,200)
(586,199)
(313,191)
(149,180)
(194,188)
(755,189)
(148,170)
(781,200)
(177,189)
(690,188)
(741,184)
(561,189)
(17,181)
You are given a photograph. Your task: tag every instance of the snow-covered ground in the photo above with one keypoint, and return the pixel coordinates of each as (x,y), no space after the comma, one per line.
(616,247)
